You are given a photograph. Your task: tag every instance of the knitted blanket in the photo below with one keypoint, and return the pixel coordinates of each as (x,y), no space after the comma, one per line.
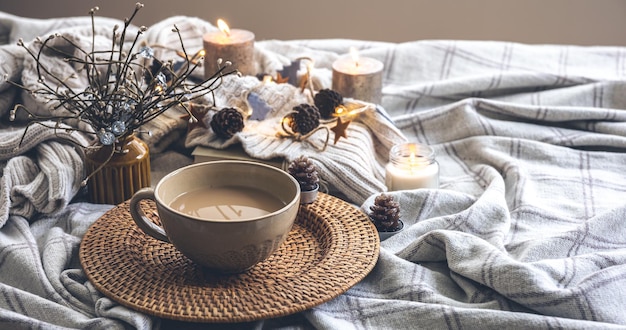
(526,230)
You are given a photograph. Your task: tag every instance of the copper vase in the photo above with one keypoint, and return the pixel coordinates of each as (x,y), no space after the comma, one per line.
(127,171)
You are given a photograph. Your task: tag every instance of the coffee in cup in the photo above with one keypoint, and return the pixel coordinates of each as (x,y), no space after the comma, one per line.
(226,203)
(224,215)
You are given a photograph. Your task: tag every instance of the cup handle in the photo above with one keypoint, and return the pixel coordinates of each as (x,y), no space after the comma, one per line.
(140,217)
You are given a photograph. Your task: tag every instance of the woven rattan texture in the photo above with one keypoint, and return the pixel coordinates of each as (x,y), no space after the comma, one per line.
(331,247)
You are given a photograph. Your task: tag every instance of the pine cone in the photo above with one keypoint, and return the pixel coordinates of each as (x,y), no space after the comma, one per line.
(385,213)
(227,122)
(305,119)
(305,172)
(326,100)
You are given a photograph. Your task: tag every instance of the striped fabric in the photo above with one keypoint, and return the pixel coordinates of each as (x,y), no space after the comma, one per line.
(526,231)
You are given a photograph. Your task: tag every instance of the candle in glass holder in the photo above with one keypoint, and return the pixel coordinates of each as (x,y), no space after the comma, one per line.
(358,77)
(233,45)
(411,166)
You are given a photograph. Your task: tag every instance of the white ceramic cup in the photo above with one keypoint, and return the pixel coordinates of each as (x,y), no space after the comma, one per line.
(226,245)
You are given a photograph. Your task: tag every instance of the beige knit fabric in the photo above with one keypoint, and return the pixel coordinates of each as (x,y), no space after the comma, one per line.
(42,173)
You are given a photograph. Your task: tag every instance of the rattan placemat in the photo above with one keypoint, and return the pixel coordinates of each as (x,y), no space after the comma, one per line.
(331,247)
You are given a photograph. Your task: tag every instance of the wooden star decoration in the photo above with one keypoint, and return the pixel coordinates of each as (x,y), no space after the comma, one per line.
(290,72)
(280,79)
(340,129)
(198,112)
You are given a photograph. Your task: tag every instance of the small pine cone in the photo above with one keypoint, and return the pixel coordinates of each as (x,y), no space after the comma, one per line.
(305,119)
(305,172)
(326,100)
(227,122)
(385,213)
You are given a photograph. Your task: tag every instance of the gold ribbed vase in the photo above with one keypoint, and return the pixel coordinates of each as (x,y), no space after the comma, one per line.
(117,180)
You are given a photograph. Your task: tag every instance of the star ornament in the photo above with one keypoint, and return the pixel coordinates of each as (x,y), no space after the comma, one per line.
(290,72)
(280,79)
(340,129)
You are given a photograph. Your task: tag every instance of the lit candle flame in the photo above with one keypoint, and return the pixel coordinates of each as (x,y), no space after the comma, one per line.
(355,55)
(221,24)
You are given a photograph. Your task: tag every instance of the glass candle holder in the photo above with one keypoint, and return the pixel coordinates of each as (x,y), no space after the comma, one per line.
(411,166)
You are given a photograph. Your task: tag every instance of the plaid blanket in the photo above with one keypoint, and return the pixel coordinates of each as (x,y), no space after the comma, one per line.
(526,231)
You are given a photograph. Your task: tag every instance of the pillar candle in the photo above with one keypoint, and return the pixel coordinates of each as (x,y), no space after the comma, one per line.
(234,45)
(411,166)
(358,77)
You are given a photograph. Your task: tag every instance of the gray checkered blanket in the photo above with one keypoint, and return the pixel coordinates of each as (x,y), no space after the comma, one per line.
(527,229)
